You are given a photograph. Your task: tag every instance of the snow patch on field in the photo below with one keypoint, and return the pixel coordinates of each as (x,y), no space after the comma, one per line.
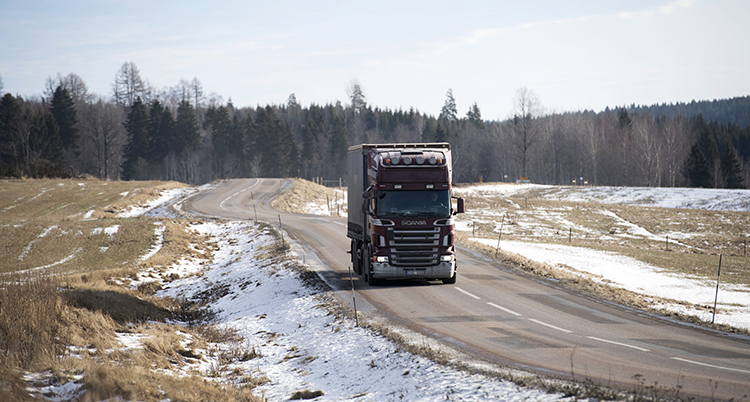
(29,246)
(662,197)
(159,207)
(631,274)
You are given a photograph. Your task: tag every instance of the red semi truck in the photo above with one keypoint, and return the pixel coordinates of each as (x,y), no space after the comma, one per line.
(401,221)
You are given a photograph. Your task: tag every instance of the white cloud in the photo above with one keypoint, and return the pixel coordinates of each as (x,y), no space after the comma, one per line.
(660,10)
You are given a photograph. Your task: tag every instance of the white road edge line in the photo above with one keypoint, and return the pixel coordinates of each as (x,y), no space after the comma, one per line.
(549,325)
(467,293)
(711,365)
(504,309)
(618,343)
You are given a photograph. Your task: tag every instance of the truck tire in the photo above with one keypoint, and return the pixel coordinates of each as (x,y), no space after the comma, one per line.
(356,258)
(367,266)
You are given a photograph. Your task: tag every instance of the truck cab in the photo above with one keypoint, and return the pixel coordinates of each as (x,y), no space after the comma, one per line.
(401,214)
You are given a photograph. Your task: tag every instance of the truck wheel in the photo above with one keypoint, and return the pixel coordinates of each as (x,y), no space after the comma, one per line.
(356,258)
(451,280)
(366,266)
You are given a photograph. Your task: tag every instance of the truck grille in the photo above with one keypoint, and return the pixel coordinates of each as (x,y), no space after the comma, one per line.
(414,247)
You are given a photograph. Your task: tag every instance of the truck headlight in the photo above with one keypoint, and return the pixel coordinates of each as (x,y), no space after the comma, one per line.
(381,258)
(446,258)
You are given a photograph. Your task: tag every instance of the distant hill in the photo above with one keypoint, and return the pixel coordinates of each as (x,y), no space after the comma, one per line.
(734,110)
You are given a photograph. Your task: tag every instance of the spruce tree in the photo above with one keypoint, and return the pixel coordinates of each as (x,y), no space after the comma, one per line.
(441,131)
(160,130)
(731,170)
(309,146)
(449,110)
(698,169)
(63,109)
(138,139)
(10,136)
(46,152)
(186,135)
(339,147)
(474,115)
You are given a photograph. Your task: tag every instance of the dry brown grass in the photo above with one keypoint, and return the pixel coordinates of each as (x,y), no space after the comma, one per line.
(30,323)
(132,382)
(68,322)
(62,247)
(696,237)
(55,199)
(303,192)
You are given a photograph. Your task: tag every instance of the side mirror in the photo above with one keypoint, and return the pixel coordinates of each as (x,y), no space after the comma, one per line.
(460,207)
(366,196)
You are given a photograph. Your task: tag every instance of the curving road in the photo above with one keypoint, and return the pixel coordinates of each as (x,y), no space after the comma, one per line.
(507,317)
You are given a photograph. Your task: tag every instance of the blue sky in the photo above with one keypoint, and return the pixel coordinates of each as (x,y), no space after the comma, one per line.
(573,54)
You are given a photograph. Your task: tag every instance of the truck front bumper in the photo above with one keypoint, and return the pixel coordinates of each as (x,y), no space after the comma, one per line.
(443,270)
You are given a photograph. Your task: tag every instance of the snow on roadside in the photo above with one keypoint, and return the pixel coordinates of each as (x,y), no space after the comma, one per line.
(334,207)
(304,347)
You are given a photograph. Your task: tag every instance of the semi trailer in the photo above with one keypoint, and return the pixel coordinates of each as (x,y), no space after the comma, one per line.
(401,212)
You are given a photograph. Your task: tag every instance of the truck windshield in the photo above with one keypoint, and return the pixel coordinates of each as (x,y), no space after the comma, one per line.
(407,203)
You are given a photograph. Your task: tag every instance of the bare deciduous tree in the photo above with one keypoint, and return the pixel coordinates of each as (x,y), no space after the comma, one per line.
(105,132)
(527,108)
(676,135)
(129,85)
(75,85)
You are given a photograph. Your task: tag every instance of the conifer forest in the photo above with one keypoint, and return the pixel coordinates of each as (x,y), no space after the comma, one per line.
(138,132)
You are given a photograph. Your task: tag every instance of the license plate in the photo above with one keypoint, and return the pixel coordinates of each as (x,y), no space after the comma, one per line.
(414,272)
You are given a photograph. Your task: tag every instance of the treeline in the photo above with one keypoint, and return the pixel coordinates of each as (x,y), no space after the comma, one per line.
(735,110)
(180,133)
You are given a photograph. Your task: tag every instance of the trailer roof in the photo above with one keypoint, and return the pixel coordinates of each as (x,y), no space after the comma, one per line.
(425,145)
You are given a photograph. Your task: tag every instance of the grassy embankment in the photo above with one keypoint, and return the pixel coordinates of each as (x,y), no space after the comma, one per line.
(303,192)
(64,295)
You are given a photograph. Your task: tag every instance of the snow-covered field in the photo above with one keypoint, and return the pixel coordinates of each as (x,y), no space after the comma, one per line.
(733,305)
(662,197)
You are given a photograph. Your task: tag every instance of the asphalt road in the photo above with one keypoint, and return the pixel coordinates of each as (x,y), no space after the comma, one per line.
(507,317)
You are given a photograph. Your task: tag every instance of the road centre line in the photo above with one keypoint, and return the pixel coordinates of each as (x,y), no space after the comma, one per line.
(711,365)
(549,325)
(221,204)
(467,293)
(504,309)
(619,344)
